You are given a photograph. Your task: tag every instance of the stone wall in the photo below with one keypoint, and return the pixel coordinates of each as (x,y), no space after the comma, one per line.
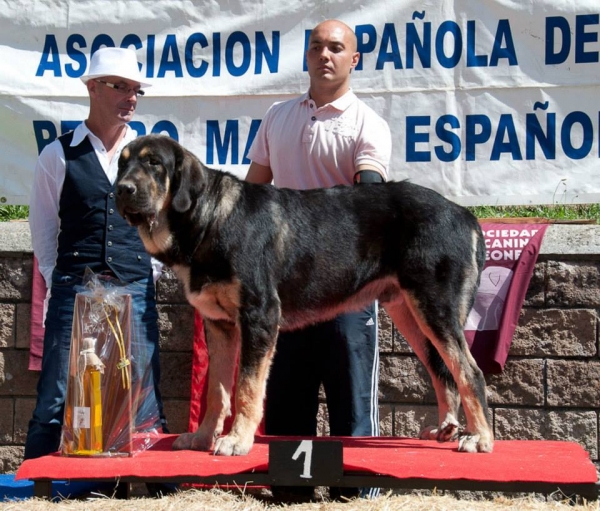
(550,388)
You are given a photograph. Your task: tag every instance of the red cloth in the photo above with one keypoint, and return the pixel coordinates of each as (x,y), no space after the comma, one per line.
(512,461)
(199,375)
(36,340)
(200,379)
(512,251)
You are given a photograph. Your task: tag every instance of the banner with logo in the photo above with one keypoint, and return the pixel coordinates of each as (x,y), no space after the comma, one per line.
(511,253)
(491,102)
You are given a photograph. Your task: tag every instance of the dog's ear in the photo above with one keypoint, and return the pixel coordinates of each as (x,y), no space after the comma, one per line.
(186,181)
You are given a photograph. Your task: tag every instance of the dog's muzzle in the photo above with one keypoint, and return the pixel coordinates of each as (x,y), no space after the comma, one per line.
(127,199)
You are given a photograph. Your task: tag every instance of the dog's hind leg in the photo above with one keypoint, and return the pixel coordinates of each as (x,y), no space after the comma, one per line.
(223,342)
(438,318)
(259,329)
(448,398)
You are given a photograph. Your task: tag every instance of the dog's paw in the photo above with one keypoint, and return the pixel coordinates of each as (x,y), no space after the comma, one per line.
(192,441)
(446,432)
(475,443)
(231,445)
(429,433)
(183,442)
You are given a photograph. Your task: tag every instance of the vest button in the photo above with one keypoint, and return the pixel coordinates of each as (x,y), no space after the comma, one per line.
(110,227)
(76,254)
(109,243)
(313,118)
(109,259)
(139,257)
(111,195)
(111,211)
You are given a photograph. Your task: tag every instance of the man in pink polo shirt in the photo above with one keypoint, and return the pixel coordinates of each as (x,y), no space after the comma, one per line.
(325,137)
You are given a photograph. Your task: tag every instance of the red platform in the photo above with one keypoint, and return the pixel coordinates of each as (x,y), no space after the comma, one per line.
(517,465)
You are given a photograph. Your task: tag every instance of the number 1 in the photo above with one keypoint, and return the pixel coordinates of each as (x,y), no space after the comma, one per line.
(305,447)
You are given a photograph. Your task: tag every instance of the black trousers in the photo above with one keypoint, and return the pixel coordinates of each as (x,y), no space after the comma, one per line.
(342,354)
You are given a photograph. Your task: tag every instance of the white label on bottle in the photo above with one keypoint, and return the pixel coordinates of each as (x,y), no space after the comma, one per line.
(81,416)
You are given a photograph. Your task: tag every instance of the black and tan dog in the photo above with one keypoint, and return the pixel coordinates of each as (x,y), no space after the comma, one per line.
(255,259)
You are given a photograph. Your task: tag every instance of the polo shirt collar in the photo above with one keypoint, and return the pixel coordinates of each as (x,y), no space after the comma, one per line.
(339,104)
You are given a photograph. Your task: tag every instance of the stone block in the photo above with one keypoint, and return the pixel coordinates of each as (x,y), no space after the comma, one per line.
(7,325)
(23,330)
(555,332)
(23,412)
(404,379)
(386,331)
(175,375)
(15,278)
(178,414)
(521,383)
(169,289)
(409,421)
(322,420)
(536,291)
(7,419)
(401,345)
(176,326)
(529,424)
(15,378)
(574,383)
(11,458)
(386,420)
(573,284)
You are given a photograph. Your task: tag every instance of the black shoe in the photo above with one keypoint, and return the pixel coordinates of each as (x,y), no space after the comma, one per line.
(343,494)
(293,494)
(158,490)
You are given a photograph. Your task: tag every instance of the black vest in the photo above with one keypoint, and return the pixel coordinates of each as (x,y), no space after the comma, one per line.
(92,233)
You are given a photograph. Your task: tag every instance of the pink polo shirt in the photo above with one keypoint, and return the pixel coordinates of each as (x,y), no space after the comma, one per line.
(309,147)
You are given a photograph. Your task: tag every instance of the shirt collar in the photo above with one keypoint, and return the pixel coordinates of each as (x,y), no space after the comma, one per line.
(82,131)
(339,104)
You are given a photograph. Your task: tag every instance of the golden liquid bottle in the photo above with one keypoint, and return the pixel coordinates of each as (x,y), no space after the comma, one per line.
(88,416)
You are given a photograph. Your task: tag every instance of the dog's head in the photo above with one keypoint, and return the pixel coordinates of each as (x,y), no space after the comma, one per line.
(156,172)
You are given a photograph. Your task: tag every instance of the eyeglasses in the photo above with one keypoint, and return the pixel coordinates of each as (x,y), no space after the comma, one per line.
(123,89)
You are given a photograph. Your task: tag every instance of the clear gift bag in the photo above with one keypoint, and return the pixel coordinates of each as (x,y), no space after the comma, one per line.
(110,407)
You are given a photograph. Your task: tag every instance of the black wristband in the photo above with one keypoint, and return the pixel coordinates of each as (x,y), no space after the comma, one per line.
(368,176)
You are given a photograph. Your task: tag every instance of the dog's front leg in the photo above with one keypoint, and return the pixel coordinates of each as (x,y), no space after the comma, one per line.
(223,342)
(259,330)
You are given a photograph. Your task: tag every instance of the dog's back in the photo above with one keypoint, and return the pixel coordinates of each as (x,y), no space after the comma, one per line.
(342,247)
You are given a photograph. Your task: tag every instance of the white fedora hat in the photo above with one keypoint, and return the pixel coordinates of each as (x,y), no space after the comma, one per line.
(121,62)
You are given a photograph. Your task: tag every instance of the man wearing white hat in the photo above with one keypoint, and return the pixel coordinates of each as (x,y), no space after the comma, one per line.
(75,225)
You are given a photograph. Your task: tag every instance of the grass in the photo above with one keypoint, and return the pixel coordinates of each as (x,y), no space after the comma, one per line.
(554,212)
(8,213)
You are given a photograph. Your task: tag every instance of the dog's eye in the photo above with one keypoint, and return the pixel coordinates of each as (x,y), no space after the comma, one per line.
(153,161)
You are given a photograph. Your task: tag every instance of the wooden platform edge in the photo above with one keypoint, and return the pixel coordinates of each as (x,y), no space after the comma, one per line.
(588,491)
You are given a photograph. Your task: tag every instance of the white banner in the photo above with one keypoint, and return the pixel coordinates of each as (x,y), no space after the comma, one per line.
(491,102)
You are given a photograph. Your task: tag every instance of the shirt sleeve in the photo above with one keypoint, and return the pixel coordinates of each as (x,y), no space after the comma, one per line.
(44,222)
(374,144)
(157,268)
(259,150)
